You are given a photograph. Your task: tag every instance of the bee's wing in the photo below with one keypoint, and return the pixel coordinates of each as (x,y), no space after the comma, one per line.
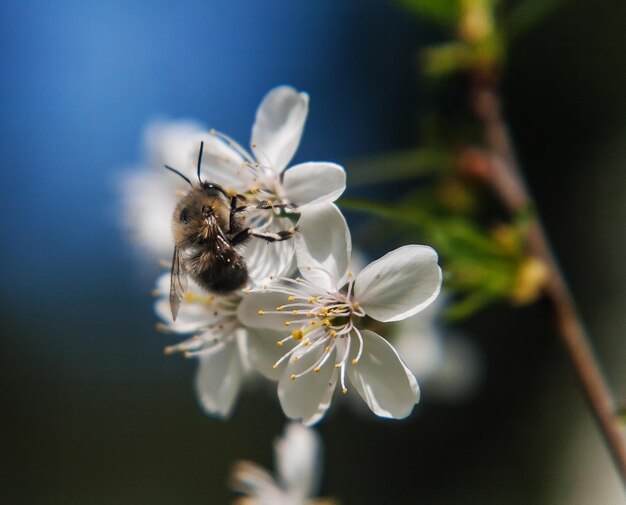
(178,283)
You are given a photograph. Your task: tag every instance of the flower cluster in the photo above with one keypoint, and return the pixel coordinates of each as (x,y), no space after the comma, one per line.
(303,319)
(297,455)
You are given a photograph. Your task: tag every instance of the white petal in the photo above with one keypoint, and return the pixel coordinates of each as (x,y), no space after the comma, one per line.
(148,203)
(256,482)
(323,246)
(301,398)
(269,259)
(263,351)
(382,380)
(418,341)
(325,403)
(173,143)
(218,378)
(297,459)
(399,284)
(255,310)
(278,126)
(421,351)
(221,164)
(191,316)
(315,182)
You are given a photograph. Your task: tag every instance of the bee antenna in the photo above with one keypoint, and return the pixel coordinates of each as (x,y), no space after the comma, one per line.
(200,160)
(178,173)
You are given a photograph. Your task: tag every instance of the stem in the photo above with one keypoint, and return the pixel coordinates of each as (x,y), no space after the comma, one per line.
(505,179)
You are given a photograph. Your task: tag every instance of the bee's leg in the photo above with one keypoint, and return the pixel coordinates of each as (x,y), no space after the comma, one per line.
(235,209)
(279,236)
(263,205)
(267,204)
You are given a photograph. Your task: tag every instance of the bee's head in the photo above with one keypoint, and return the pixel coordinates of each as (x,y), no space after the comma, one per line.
(207,211)
(212,189)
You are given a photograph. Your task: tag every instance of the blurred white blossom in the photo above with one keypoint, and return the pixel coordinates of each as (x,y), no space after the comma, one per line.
(298,463)
(322,311)
(444,361)
(150,193)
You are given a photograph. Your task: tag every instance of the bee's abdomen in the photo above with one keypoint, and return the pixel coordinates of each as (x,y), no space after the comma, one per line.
(226,273)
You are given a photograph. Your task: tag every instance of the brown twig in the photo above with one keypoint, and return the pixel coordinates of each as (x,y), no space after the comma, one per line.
(506,180)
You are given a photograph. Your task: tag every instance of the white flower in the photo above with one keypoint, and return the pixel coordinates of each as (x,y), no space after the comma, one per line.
(322,310)
(150,195)
(297,456)
(265,175)
(219,343)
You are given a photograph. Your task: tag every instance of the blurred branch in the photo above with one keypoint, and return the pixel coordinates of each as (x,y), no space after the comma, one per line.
(505,179)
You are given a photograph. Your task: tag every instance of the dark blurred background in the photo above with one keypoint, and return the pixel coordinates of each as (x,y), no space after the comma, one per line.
(92,412)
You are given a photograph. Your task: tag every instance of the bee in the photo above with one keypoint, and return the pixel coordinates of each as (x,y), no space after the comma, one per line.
(208,224)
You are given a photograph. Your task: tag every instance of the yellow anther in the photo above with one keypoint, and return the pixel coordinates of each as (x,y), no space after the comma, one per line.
(315,299)
(324,311)
(327,349)
(294,312)
(274,366)
(265,286)
(306,343)
(316,369)
(344,391)
(332,333)
(297,334)
(279,309)
(169,350)
(270,202)
(247,291)
(298,279)
(293,376)
(287,323)
(355,361)
(261,312)
(295,359)
(310,314)
(326,322)
(356,305)
(255,189)
(337,365)
(279,343)
(291,298)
